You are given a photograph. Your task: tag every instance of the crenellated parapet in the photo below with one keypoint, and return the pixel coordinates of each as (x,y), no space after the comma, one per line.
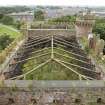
(84,24)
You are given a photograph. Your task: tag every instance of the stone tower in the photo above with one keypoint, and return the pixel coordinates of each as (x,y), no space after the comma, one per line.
(84,23)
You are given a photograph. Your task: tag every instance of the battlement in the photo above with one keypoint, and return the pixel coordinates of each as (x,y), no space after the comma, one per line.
(84,23)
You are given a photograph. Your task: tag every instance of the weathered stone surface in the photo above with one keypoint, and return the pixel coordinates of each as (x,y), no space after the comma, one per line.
(99,46)
(54,97)
(62,32)
(84,24)
(64,94)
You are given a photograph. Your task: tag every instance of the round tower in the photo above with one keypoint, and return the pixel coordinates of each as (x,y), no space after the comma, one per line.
(84,23)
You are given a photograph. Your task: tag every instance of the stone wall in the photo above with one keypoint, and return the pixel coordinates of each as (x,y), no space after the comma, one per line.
(63,32)
(53,93)
(72,96)
(83,30)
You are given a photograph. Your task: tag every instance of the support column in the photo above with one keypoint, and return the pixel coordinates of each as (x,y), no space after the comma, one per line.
(52,47)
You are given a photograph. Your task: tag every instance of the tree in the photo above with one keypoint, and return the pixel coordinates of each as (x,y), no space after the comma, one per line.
(64,19)
(18,24)
(39,15)
(99,28)
(7,10)
(4,41)
(1,16)
(7,20)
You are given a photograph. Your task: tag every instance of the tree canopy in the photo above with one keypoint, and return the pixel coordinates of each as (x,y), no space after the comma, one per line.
(39,15)
(4,41)
(7,20)
(99,28)
(7,10)
(64,19)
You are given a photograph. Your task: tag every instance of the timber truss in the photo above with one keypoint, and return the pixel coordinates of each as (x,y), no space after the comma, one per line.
(52,45)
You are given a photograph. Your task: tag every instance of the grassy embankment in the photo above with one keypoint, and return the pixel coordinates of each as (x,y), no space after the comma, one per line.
(9,30)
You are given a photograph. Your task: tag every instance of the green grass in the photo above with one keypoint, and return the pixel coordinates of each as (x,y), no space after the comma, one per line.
(9,30)
(52,70)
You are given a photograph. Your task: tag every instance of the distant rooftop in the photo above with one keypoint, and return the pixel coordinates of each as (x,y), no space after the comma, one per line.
(21,13)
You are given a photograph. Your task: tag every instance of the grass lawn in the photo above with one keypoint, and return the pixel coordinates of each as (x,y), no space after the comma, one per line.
(9,30)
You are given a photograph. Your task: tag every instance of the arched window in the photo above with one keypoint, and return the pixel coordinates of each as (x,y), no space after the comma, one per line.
(33,101)
(99,100)
(11,101)
(77,100)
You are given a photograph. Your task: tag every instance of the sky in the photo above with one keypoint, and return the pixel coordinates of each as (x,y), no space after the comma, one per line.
(53,2)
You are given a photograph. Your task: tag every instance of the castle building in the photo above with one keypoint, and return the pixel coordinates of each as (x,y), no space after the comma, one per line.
(84,23)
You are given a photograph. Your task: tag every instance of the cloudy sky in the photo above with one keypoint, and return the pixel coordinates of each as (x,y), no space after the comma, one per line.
(54,2)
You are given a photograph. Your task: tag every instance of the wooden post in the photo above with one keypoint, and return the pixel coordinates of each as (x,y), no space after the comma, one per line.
(52,47)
